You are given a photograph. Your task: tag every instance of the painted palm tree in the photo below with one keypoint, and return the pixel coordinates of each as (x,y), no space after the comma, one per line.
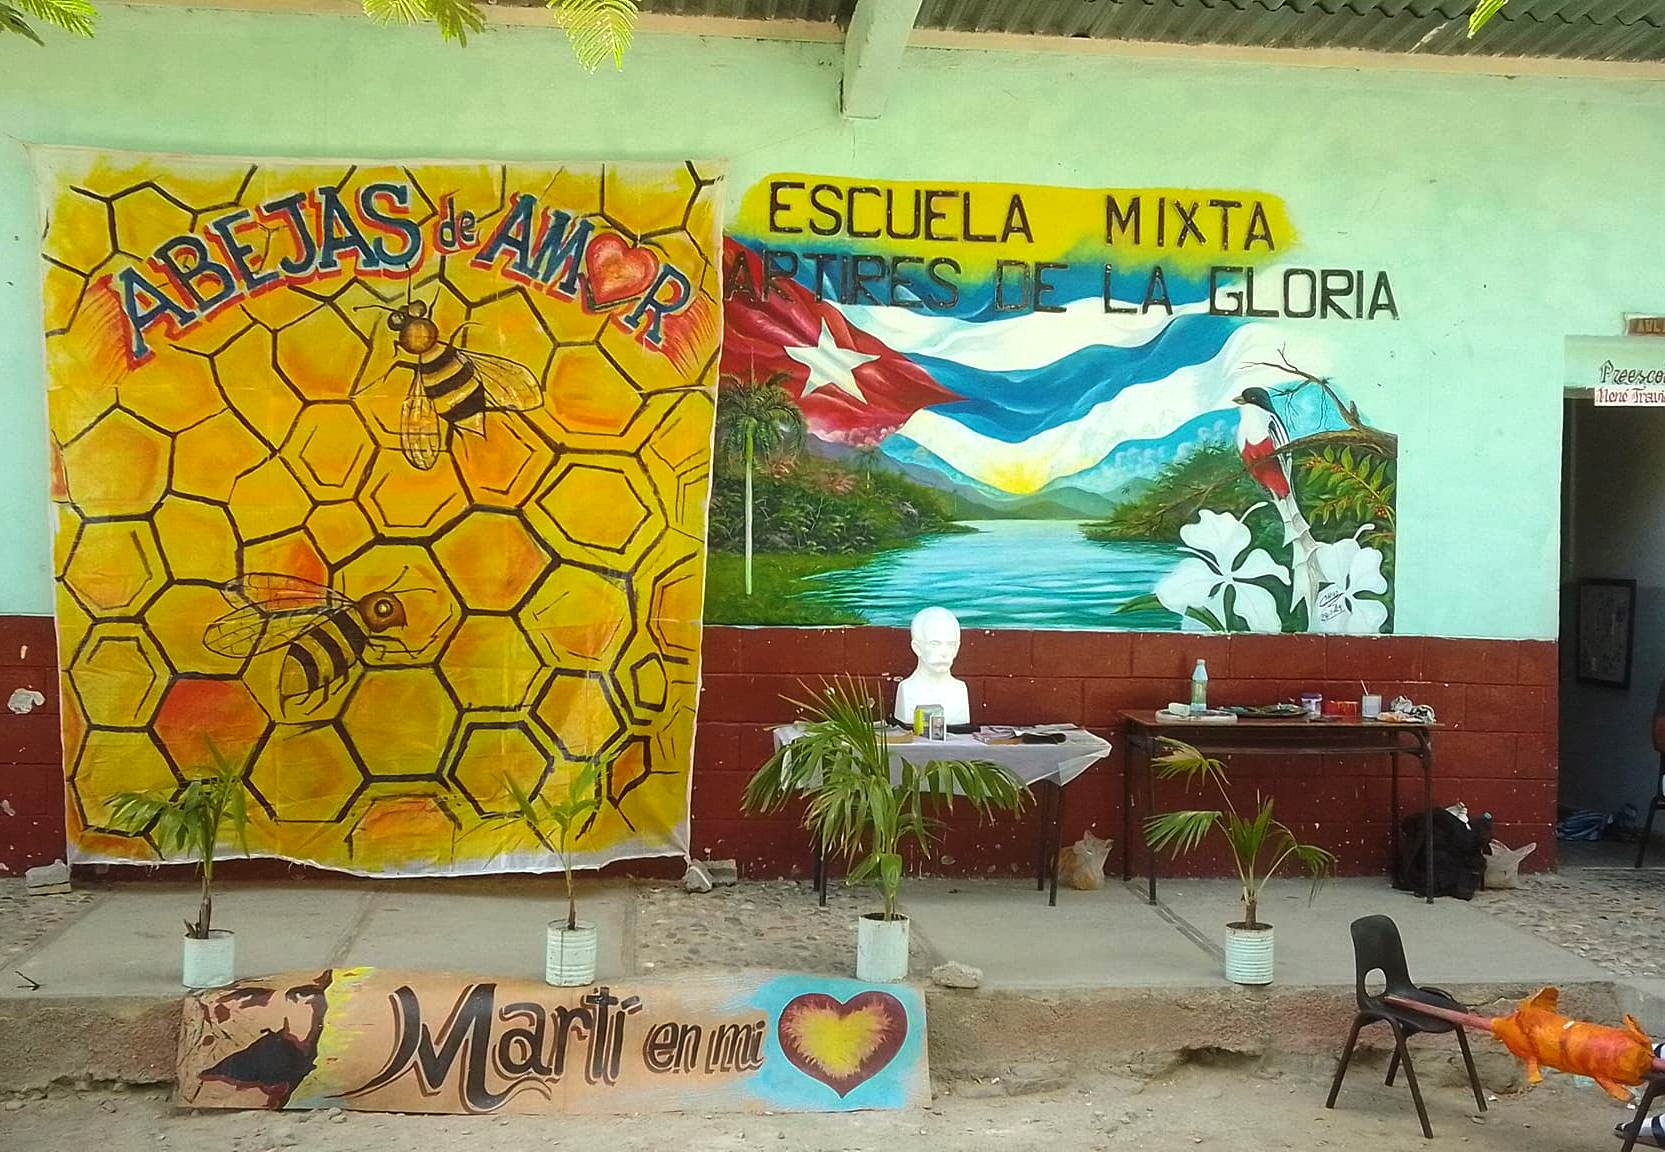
(757,420)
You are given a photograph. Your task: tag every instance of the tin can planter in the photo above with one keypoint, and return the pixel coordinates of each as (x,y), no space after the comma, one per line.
(881,949)
(569,955)
(210,963)
(1249,954)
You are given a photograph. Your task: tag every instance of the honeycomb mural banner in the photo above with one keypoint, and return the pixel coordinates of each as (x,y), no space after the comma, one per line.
(387,484)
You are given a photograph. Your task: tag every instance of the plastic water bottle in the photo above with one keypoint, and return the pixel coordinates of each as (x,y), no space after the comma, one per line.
(1199,689)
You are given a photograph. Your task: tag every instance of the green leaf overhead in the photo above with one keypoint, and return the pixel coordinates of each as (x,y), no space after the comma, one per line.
(598,29)
(455,18)
(75,16)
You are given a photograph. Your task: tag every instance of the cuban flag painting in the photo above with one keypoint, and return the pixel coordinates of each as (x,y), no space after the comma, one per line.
(1127,458)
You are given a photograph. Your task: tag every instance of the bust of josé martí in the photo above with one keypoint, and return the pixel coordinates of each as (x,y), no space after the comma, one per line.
(935,633)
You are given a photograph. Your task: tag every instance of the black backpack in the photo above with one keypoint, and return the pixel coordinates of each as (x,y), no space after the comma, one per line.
(1459,852)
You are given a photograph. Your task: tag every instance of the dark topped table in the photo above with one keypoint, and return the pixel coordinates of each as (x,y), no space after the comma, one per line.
(1330,737)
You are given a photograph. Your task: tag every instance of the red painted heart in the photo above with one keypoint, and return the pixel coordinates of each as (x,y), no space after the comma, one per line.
(843,1044)
(616,271)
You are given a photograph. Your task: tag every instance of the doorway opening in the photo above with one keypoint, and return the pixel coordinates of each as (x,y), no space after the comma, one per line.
(1612,626)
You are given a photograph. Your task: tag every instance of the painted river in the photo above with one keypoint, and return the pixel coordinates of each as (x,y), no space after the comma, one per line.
(1007,574)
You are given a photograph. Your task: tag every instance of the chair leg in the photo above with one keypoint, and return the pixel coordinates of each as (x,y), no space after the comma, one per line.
(821,874)
(1410,1078)
(1346,1058)
(1647,830)
(1393,1068)
(1634,1128)
(1473,1076)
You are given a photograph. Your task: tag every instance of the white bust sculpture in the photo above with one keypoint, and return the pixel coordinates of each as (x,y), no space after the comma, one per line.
(936,641)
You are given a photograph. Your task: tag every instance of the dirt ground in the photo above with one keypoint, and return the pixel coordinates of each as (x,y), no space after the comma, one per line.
(1220,1106)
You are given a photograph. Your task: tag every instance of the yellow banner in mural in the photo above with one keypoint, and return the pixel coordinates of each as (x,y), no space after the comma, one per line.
(386,483)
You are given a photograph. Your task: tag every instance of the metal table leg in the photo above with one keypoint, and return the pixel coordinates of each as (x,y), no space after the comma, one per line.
(1426,740)
(1057,838)
(1150,810)
(1128,760)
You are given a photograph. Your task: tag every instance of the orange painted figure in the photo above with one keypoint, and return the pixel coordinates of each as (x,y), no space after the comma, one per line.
(1540,1036)
(1614,1058)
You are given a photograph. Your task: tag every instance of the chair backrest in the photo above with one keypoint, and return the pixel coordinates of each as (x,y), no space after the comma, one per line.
(1377,948)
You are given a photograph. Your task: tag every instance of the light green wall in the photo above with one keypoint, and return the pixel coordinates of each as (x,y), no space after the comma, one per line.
(1509,212)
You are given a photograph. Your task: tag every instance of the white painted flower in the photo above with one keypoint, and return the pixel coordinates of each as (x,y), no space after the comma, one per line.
(1350,572)
(1217,542)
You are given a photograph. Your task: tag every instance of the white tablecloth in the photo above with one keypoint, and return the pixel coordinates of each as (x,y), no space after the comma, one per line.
(1059,763)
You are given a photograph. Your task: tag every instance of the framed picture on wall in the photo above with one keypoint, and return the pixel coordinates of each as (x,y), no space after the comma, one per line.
(1606,629)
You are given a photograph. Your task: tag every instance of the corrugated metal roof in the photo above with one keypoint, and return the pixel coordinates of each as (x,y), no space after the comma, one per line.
(1630,30)
(1575,29)
(819,11)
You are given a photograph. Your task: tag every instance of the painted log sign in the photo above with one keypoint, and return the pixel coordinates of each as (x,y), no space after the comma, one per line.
(375,1040)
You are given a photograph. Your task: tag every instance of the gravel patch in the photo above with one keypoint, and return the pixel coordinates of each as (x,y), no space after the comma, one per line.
(1614,917)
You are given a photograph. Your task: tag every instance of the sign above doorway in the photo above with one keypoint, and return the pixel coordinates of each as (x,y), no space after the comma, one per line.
(1617,370)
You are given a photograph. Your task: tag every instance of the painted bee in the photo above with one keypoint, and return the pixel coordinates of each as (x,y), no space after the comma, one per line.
(324,632)
(451,383)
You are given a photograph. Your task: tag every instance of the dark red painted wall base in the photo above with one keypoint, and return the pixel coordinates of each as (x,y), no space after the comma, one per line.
(1499,697)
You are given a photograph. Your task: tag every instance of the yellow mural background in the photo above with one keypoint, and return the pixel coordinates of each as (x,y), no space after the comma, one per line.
(551,570)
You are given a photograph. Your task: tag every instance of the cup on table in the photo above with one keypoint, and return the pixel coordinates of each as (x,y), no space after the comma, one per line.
(1347,709)
(1370,707)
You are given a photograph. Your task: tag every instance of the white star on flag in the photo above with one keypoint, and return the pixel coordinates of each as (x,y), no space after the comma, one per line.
(830,364)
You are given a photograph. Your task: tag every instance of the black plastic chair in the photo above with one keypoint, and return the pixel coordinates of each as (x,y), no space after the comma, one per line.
(1377,948)
(1632,1129)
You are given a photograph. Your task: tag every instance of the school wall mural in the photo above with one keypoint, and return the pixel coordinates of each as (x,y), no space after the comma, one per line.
(1045,407)
(385,484)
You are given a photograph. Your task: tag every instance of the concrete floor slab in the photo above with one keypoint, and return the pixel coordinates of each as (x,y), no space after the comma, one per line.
(1446,942)
(1091,939)
(128,942)
(500,931)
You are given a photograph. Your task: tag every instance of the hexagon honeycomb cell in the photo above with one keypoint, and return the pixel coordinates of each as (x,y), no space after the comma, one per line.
(112,762)
(402,500)
(578,710)
(404,832)
(503,468)
(292,554)
(322,354)
(178,619)
(641,206)
(492,559)
(267,501)
(400,721)
(197,539)
(490,750)
(145,218)
(329,450)
(306,775)
(119,675)
(79,235)
(203,723)
(135,487)
(173,390)
(264,400)
(209,458)
(648,685)
(595,505)
(577,616)
(339,530)
(490,664)
(116,567)
(586,393)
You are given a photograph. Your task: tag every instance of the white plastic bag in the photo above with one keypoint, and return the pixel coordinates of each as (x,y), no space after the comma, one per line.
(1503,865)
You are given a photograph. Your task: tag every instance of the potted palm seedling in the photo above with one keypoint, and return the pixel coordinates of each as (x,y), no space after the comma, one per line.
(1259,845)
(194,822)
(865,809)
(557,823)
